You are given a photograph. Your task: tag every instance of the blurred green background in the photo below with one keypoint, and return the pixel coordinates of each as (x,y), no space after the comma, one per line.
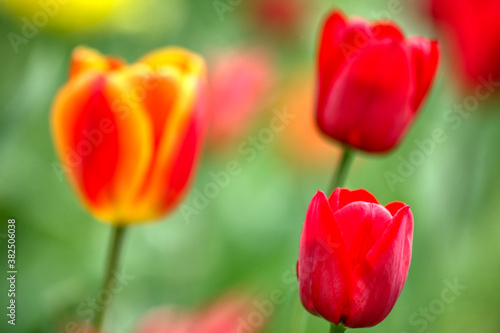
(248,235)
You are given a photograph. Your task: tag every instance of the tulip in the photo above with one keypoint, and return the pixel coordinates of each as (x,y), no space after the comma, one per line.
(354,257)
(473,30)
(128,136)
(372,82)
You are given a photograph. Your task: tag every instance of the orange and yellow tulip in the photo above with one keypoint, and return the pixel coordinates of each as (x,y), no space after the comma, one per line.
(128,136)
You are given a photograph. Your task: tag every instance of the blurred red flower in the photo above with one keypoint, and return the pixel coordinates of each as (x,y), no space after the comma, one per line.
(240,81)
(473,29)
(354,257)
(372,81)
(283,17)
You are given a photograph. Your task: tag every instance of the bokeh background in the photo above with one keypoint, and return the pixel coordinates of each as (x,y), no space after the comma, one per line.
(261,61)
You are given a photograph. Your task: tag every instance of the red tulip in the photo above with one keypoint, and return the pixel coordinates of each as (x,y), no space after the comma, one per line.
(372,81)
(354,257)
(128,136)
(473,28)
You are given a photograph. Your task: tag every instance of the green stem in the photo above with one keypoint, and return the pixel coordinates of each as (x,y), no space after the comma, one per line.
(343,169)
(118,234)
(337,329)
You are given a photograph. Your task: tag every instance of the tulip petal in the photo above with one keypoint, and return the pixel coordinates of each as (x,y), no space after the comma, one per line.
(330,59)
(342,197)
(380,278)
(87,123)
(387,30)
(394,207)
(357,35)
(367,99)
(84,59)
(361,224)
(425,58)
(176,57)
(323,268)
(187,154)
(79,107)
(176,104)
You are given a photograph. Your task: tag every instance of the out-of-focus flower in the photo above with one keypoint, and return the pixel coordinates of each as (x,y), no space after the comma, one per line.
(354,257)
(372,81)
(301,141)
(230,314)
(240,81)
(128,137)
(283,17)
(473,30)
(66,15)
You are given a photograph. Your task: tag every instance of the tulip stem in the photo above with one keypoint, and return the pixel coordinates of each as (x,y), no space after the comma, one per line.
(343,169)
(118,234)
(337,329)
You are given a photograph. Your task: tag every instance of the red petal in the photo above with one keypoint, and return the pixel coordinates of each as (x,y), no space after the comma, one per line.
(361,224)
(425,58)
(98,167)
(324,268)
(380,279)
(105,140)
(79,109)
(342,197)
(330,59)
(185,158)
(368,106)
(394,207)
(357,35)
(387,30)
